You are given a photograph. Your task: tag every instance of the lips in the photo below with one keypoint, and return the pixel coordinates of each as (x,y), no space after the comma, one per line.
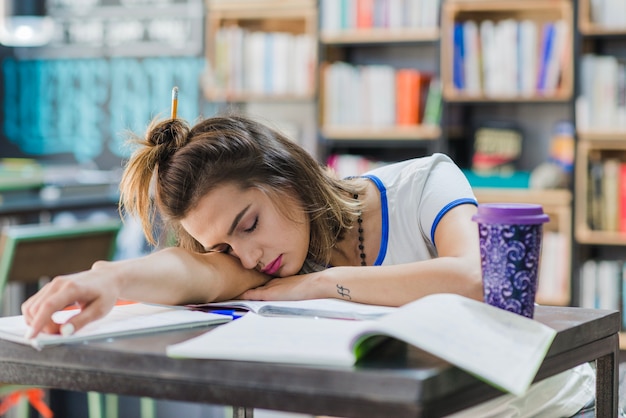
(273,267)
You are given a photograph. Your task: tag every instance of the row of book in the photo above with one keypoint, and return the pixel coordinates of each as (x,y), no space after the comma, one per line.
(554,270)
(266,63)
(510,57)
(607,194)
(603,285)
(338,15)
(608,13)
(602,101)
(378,96)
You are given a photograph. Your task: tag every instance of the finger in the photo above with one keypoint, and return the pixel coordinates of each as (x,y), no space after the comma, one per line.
(38,312)
(87,314)
(32,304)
(50,328)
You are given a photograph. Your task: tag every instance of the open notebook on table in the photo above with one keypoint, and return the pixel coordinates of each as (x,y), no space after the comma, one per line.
(499,347)
(320,308)
(123,320)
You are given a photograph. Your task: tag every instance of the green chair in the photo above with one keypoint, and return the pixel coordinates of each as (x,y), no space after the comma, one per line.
(30,254)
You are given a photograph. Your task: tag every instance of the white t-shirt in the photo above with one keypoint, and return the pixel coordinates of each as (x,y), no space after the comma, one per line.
(415,195)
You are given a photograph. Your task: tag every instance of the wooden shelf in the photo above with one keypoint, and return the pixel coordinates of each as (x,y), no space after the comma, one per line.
(261,9)
(597,30)
(589,28)
(539,11)
(553,197)
(379,36)
(453,95)
(215,96)
(232,67)
(556,202)
(584,235)
(608,144)
(602,135)
(426,133)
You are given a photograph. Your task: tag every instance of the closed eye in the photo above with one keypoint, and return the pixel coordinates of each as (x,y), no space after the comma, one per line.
(254,225)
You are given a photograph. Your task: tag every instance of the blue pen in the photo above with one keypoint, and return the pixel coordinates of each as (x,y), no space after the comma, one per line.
(230,312)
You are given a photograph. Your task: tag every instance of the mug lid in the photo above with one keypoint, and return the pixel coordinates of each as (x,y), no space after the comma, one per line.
(510,213)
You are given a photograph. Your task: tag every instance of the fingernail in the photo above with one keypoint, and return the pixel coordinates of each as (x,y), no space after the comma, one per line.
(29,333)
(67,329)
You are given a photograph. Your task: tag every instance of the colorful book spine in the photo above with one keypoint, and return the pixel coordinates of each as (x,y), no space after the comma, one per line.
(458,59)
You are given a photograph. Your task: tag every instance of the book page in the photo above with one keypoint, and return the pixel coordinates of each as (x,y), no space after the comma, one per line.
(292,340)
(498,346)
(321,308)
(132,319)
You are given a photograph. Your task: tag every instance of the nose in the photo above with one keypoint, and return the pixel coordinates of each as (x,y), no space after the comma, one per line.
(247,254)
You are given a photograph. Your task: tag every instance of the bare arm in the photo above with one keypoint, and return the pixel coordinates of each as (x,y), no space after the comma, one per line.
(456,270)
(172,276)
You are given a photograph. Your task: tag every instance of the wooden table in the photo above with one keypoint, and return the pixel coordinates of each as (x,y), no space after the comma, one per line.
(395,381)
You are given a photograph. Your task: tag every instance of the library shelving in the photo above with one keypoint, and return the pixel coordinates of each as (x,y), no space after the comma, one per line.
(378,78)
(598,169)
(483,60)
(600,172)
(506,62)
(261,50)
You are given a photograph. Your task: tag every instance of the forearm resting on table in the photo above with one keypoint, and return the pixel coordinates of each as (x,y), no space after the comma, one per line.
(176,276)
(403,283)
(172,276)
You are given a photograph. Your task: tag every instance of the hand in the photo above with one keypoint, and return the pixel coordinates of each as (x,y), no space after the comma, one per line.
(93,291)
(300,287)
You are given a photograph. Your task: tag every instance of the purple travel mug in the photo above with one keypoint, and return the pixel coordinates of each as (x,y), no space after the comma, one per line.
(510,248)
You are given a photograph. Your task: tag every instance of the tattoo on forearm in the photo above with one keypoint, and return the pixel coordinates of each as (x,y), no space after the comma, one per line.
(344,292)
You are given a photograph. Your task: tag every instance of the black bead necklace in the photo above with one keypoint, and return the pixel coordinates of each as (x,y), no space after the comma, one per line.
(359,219)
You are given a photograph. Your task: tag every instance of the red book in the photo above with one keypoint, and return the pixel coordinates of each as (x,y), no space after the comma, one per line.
(364,14)
(407,97)
(422,93)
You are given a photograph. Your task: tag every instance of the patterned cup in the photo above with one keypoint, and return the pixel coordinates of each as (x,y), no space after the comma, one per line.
(510,248)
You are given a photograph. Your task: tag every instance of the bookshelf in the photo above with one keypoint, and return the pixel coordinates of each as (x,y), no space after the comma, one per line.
(599,228)
(364,56)
(261,50)
(489,72)
(511,63)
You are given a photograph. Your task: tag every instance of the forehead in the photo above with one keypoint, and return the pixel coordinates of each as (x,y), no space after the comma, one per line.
(214,212)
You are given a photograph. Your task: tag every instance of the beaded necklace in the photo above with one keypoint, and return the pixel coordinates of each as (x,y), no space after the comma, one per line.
(359,219)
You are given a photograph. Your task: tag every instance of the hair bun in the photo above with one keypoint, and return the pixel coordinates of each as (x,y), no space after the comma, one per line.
(168,136)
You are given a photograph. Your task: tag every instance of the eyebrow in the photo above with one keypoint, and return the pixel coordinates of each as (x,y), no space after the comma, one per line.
(232,226)
(237,220)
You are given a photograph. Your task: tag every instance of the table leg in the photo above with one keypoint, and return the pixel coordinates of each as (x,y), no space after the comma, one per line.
(241,412)
(607,376)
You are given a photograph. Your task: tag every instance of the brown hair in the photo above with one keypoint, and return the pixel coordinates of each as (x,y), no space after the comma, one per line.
(187,163)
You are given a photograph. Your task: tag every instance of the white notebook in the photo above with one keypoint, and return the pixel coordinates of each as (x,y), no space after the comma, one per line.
(320,308)
(123,320)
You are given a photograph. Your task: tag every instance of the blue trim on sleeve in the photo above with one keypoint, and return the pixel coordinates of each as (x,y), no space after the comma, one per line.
(445,210)
(384,211)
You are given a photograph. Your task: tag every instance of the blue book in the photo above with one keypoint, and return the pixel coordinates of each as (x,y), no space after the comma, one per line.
(458,73)
(547,43)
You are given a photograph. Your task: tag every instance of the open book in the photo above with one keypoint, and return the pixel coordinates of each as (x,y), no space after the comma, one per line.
(123,320)
(320,308)
(499,347)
